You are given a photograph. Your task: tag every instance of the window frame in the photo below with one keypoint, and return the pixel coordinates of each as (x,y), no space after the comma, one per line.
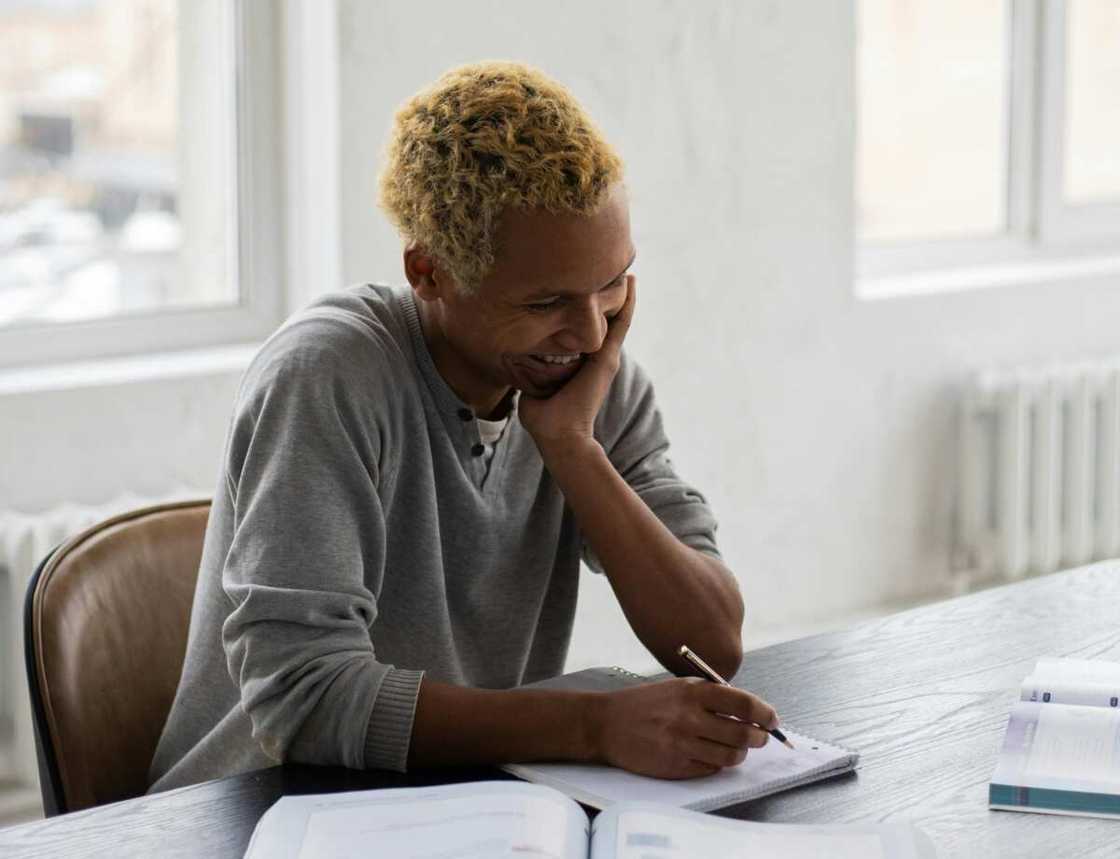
(1045,238)
(259,269)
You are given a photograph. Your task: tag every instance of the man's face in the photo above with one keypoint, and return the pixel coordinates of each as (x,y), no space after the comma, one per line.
(556,281)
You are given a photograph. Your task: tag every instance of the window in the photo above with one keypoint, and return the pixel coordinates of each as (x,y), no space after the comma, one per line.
(1091,168)
(131,215)
(986,141)
(933,119)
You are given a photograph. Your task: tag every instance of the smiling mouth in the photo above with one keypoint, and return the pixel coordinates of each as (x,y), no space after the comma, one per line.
(540,374)
(546,372)
(555,360)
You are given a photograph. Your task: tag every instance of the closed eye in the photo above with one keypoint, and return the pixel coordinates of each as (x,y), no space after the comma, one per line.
(542,306)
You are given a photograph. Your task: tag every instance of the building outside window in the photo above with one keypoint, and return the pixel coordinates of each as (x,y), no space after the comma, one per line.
(126,201)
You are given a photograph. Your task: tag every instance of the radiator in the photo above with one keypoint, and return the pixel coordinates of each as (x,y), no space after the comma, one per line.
(25,539)
(1039,486)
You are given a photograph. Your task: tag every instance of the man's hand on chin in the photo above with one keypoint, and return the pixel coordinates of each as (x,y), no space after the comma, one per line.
(670,592)
(566,419)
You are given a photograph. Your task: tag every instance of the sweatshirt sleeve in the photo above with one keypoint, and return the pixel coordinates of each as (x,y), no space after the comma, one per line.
(306,559)
(630,429)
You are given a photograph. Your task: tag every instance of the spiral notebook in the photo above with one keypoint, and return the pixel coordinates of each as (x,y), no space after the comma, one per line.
(768,770)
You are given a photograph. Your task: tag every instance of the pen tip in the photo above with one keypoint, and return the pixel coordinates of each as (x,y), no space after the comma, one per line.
(788,743)
(682,650)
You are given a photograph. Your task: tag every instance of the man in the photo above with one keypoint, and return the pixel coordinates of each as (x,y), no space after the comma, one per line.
(411,477)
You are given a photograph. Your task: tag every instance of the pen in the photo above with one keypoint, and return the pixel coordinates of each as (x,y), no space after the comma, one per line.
(715,678)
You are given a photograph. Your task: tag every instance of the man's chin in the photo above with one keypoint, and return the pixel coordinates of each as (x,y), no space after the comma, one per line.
(540,392)
(537,388)
(530,384)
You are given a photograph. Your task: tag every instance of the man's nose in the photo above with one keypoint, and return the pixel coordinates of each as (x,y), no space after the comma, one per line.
(585,326)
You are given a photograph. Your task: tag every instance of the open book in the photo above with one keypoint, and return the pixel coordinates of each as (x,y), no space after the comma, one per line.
(768,770)
(509,818)
(1061,751)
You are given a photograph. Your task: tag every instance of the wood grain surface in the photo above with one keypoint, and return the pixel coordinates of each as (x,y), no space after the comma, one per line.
(923,695)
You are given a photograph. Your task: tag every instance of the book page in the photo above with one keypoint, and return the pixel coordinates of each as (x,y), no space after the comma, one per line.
(1084,682)
(640,831)
(1060,747)
(461,821)
(767,770)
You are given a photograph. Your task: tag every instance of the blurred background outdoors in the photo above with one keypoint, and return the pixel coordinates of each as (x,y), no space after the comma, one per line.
(91,162)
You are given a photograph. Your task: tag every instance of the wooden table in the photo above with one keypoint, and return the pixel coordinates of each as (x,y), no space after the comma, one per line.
(923,695)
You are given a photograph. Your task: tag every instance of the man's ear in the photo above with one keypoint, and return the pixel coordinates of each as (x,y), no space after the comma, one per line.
(426,278)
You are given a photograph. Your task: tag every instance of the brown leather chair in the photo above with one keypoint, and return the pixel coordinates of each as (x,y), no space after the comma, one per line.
(105,630)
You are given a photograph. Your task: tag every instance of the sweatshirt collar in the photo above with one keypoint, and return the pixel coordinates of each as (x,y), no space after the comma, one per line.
(446,399)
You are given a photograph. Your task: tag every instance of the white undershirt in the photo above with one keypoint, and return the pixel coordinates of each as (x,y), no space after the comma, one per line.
(490,432)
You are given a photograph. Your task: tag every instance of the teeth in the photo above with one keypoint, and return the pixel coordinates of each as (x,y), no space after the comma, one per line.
(558,359)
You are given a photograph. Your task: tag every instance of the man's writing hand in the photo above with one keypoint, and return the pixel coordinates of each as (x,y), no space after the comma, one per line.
(679,728)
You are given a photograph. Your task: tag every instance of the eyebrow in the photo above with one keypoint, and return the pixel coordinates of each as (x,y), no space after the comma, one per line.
(551,293)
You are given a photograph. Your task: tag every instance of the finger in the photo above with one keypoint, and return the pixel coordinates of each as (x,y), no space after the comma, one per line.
(732,733)
(619,324)
(739,703)
(712,753)
(698,770)
(693,769)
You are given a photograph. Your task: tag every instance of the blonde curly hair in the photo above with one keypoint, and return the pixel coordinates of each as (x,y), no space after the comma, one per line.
(484,137)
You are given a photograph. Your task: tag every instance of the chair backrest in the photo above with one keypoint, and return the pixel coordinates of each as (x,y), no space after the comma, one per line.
(105,631)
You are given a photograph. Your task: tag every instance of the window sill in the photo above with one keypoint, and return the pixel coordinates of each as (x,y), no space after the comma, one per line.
(968,278)
(107,372)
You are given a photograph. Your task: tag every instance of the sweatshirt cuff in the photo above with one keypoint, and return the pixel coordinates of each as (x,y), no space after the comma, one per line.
(390,723)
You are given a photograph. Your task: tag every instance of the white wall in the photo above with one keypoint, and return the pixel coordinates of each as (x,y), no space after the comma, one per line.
(820,426)
(90,444)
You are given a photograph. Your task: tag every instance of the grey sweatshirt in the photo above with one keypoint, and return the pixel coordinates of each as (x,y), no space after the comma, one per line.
(359,540)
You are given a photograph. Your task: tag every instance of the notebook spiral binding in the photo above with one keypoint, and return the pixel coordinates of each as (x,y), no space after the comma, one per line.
(616,669)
